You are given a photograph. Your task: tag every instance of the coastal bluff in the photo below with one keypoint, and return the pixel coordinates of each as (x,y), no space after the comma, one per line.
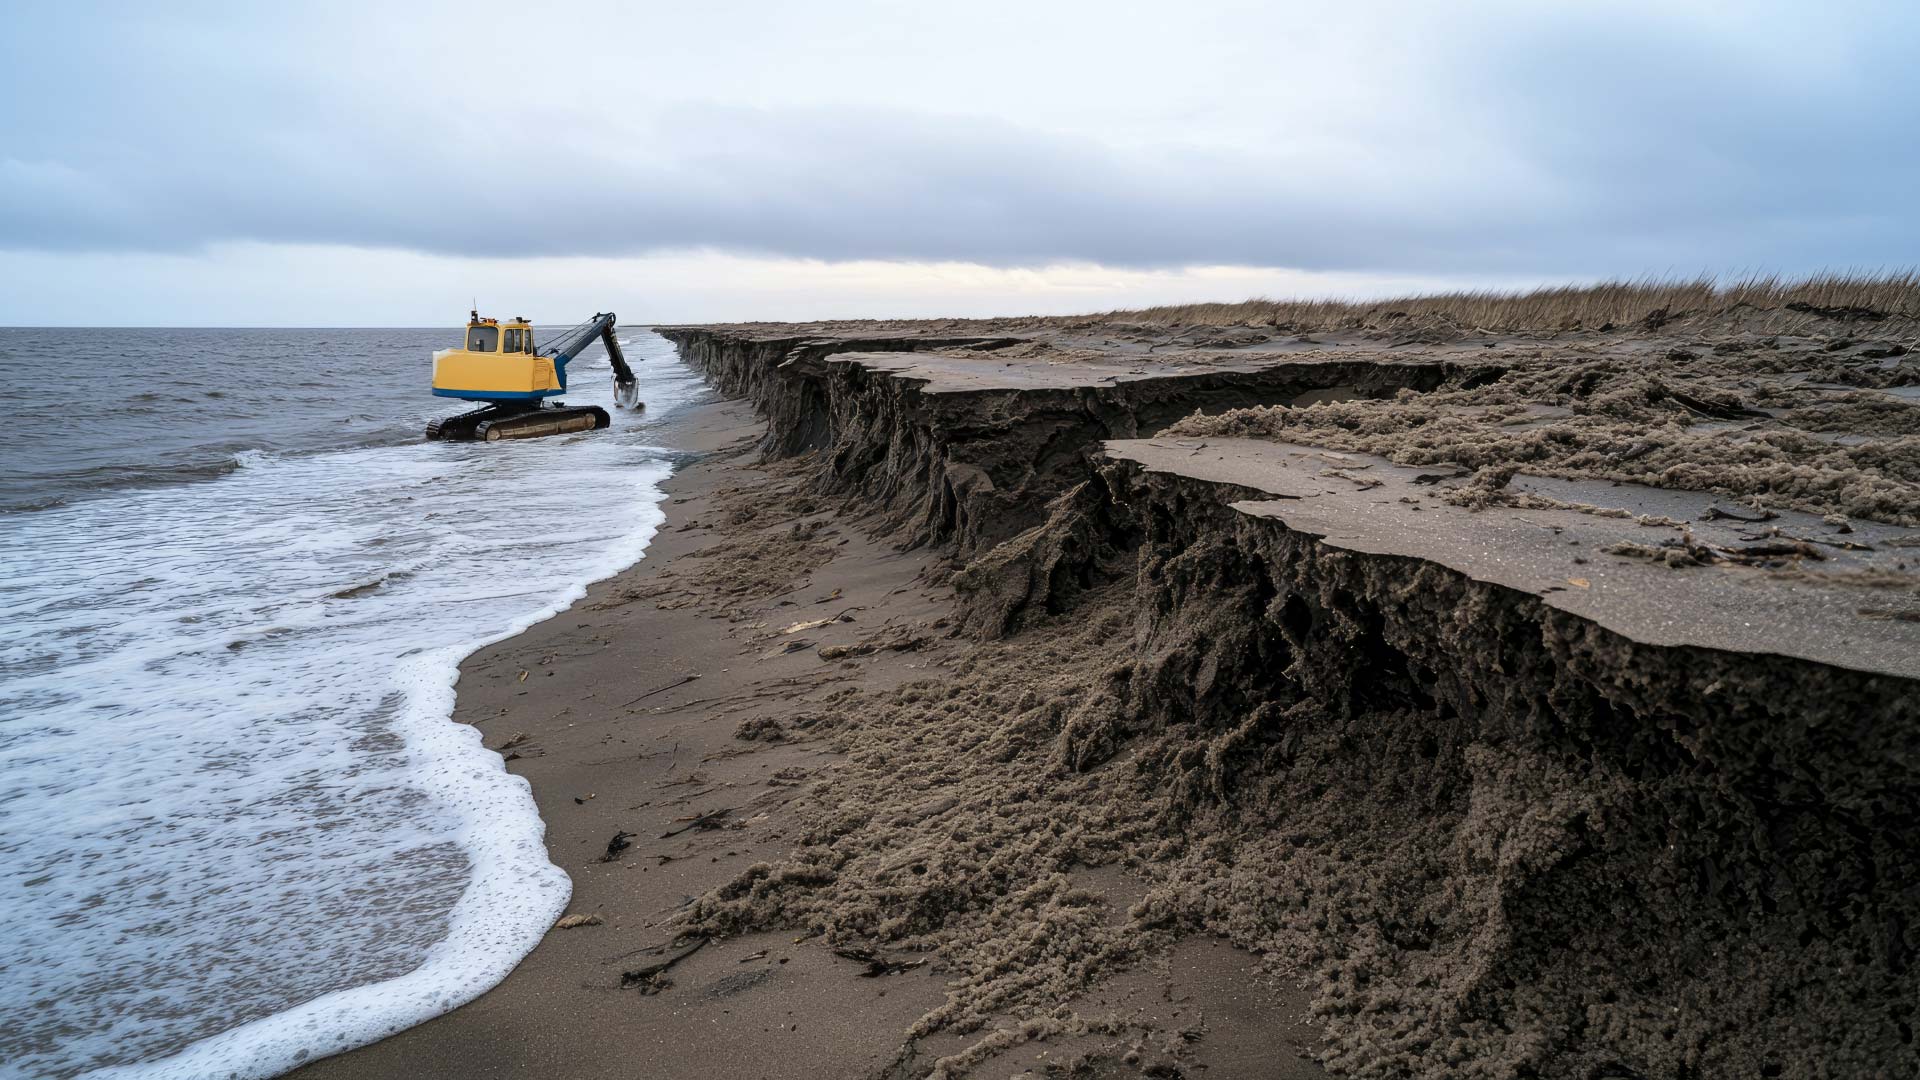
(1548,703)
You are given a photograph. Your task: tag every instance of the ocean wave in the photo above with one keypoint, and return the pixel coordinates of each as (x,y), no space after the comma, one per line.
(514,896)
(323,857)
(60,487)
(57,487)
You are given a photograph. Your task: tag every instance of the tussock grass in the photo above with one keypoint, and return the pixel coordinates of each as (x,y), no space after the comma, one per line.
(1763,303)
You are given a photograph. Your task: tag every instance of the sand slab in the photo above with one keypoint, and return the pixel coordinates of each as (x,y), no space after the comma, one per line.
(1814,610)
(947,373)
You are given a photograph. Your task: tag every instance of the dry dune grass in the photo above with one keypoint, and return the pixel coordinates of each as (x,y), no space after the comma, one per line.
(1764,303)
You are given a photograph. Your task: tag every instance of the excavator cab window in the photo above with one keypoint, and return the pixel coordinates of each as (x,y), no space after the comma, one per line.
(483,339)
(513,341)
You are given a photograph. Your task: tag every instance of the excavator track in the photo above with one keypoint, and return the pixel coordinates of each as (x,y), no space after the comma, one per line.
(461,426)
(497,422)
(554,420)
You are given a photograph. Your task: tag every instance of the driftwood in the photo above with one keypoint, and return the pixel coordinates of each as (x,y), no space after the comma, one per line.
(662,689)
(709,820)
(648,978)
(1714,513)
(877,965)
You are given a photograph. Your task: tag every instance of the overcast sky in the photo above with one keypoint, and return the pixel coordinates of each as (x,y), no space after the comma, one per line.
(339,163)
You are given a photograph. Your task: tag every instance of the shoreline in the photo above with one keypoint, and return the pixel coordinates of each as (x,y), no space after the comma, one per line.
(1073,703)
(263,661)
(613,743)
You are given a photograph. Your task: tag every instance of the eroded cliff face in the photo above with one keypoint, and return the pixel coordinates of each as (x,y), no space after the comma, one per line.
(1499,839)
(1508,839)
(973,467)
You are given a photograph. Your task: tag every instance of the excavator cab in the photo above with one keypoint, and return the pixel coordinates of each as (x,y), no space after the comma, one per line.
(499,364)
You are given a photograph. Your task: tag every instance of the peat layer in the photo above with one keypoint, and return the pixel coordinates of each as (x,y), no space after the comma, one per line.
(1500,829)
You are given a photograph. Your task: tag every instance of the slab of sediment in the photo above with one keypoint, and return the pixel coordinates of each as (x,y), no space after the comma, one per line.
(1793,586)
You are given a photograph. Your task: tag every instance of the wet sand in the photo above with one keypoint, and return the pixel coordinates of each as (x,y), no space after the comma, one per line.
(591,708)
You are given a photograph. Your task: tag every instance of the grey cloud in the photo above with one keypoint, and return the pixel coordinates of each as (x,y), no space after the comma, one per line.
(1592,152)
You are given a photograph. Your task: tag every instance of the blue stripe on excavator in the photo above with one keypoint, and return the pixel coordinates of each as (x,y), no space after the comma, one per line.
(497,395)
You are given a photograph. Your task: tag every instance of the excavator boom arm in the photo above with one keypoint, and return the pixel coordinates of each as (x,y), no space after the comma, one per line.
(622,374)
(572,342)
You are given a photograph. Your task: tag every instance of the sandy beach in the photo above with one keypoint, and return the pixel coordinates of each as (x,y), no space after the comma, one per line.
(626,714)
(1112,700)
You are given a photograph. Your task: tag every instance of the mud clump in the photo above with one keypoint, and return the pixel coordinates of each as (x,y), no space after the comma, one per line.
(760,729)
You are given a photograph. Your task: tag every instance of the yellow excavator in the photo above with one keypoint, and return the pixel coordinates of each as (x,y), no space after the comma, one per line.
(500,366)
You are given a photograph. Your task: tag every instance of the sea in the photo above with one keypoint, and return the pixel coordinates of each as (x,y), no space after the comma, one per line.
(238,828)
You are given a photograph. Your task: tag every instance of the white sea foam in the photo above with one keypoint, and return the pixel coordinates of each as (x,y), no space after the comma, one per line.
(237,828)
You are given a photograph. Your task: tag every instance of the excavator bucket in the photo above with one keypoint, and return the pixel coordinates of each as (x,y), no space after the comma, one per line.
(626,388)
